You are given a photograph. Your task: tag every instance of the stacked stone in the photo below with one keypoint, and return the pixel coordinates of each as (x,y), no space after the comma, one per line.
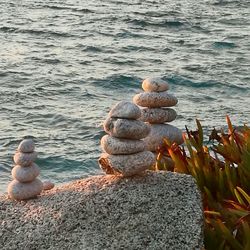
(25,185)
(156,102)
(124,150)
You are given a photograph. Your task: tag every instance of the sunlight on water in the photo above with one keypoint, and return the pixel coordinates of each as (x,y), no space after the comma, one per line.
(63,65)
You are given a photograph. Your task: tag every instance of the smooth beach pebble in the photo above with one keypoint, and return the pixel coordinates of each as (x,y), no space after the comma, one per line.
(125,109)
(128,129)
(24,191)
(25,159)
(155,99)
(159,132)
(158,115)
(47,185)
(26,146)
(118,146)
(154,85)
(126,165)
(25,174)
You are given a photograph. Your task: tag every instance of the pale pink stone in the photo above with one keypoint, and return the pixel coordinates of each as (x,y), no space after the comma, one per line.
(25,174)
(125,109)
(26,146)
(126,165)
(154,85)
(47,185)
(25,159)
(24,191)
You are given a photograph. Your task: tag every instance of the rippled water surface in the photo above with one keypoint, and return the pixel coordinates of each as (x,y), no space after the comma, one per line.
(63,64)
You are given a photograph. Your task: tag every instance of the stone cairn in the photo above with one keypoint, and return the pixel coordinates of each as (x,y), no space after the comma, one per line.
(25,185)
(155,103)
(123,146)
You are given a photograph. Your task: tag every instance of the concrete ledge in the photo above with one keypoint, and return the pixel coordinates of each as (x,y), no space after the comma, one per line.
(158,210)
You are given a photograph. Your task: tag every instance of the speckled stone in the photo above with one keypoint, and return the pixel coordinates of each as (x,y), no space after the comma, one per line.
(26,146)
(154,85)
(126,165)
(25,174)
(154,211)
(47,185)
(159,132)
(128,129)
(158,115)
(25,159)
(155,100)
(125,109)
(118,146)
(24,191)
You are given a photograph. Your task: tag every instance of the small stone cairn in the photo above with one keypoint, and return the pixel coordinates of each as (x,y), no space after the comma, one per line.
(25,185)
(156,101)
(123,146)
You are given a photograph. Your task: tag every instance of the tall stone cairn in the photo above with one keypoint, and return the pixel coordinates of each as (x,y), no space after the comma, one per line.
(155,103)
(25,185)
(124,150)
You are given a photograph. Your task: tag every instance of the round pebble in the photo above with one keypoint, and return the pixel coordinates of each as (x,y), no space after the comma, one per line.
(159,132)
(126,165)
(155,100)
(158,115)
(117,146)
(125,109)
(24,191)
(47,185)
(128,129)
(25,174)
(26,146)
(25,159)
(154,85)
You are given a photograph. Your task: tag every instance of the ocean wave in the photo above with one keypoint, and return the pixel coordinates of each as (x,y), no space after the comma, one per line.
(35,32)
(224,45)
(117,81)
(65,63)
(161,23)
(183,81)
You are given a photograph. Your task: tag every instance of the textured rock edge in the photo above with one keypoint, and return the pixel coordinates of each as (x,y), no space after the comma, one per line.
(69,195)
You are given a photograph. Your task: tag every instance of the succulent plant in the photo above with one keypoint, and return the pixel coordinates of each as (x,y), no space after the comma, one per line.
(221,168)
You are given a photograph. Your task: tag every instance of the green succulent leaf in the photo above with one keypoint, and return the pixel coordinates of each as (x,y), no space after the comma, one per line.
(222,173)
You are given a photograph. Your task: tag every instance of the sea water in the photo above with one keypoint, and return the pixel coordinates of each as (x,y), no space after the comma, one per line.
(64,63)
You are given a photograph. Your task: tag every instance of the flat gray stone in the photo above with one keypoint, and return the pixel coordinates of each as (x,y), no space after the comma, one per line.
(124,128)
(154,84)
(26,146)
(24,191)
(125,109)
(158,115)
(159,132)
(25,159)
(126,165)
(25,174)
(118,146)
(156,211)
(155,100)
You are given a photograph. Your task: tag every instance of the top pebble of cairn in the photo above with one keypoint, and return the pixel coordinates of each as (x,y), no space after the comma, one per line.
(125,110)
(26,146)
(154,85)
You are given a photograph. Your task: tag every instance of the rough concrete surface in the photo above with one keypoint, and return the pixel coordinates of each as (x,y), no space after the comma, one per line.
(159,210)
